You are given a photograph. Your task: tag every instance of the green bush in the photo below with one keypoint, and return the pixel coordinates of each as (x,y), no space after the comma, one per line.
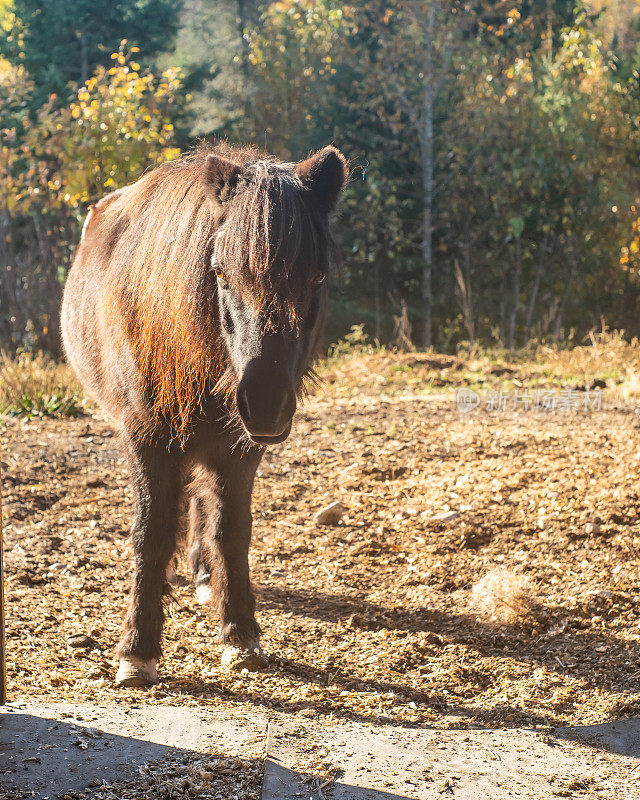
(38,386)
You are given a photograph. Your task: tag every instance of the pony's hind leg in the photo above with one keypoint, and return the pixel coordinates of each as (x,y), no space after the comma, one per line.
(156,485)
(199,559)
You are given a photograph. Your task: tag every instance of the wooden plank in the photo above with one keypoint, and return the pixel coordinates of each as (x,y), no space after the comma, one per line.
(3,668)
(279,781)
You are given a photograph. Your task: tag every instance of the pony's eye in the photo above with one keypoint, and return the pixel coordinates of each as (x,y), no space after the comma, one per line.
(218,271)
(319,278)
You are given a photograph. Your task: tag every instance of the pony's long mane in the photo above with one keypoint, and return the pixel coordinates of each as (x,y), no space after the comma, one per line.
(161,234)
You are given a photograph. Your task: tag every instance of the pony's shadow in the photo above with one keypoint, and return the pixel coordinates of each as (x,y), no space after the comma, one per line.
(486,639)
(461,628)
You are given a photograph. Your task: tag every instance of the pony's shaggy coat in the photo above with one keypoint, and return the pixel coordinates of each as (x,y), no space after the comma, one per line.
(164,267)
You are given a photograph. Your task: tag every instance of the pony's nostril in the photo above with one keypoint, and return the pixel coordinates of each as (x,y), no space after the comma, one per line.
(288,408)
(242,402)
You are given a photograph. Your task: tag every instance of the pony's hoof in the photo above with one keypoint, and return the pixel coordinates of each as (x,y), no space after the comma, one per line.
(136,673)
(235,659)
(204,595)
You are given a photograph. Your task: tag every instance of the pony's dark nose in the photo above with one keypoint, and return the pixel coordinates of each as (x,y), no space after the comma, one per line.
(266,402)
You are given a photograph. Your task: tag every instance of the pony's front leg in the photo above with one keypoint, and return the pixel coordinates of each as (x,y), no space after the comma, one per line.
(226,500)
(156,485)
(236,599)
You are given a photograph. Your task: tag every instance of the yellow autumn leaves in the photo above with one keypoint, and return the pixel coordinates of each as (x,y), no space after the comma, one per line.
(116,126)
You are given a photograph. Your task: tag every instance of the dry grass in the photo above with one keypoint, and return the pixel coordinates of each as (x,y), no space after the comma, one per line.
(504,596)
(214,778)
(36,385)
(605,360)
(606,355)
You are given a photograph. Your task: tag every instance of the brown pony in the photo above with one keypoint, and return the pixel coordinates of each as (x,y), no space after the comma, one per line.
(191,314)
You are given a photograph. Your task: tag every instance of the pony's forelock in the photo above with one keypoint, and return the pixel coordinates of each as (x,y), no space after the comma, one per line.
(274,241)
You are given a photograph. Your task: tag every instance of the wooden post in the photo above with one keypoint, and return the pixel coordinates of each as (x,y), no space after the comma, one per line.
(3,669)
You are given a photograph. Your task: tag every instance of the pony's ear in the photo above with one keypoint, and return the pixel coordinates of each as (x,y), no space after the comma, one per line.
(220,177)
(324,174)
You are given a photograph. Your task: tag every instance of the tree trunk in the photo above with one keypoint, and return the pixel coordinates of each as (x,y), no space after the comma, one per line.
(563,305)
(376,298)
(516,295)
(84,63)
(536,288)
(464,292)
(549,32)
(467,269)
(242,22)
(426,140)
(502,310)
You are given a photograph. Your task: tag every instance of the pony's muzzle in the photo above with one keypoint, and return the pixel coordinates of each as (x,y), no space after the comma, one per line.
(266,402)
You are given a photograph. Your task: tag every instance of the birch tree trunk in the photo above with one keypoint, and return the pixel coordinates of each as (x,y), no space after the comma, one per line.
(426,142)
(241,17)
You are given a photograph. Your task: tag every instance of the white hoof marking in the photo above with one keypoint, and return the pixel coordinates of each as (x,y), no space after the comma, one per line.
(204,595)
(234,659)
(134,672)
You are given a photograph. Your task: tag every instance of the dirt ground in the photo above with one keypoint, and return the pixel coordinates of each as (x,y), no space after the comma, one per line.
(371,620)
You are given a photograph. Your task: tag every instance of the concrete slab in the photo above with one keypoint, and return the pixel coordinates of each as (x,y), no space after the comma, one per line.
(46,751)
(396,764)
(620,736)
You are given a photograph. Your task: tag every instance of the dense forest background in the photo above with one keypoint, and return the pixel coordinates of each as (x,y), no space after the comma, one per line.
(494,148)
